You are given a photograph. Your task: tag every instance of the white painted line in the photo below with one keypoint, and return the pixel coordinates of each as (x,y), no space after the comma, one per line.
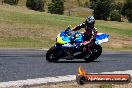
(119,72)
(43,49)
(38,81)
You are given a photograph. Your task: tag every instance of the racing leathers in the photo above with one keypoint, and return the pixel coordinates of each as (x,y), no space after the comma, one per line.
(89,34)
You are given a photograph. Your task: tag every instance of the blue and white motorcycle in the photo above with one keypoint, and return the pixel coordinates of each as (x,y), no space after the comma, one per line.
(68,47)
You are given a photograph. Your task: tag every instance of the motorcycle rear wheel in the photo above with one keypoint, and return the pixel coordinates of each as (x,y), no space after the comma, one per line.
(96,51)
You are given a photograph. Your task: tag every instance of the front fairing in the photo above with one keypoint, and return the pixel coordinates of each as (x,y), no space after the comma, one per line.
(62,38)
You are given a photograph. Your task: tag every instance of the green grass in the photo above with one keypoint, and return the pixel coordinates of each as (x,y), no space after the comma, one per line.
(120,32)
(106,86)
(31,29)
(23,42)
(38,18)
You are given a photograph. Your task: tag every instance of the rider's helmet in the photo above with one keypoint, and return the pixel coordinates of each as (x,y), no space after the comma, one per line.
(89,22)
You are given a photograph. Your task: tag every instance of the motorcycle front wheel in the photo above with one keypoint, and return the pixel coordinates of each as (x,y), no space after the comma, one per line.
(51,55)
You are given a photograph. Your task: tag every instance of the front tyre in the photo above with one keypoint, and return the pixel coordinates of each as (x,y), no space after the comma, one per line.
(96,51)
(51,55)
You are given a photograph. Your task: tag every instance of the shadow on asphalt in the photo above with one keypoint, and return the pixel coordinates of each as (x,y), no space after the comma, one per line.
(75,62)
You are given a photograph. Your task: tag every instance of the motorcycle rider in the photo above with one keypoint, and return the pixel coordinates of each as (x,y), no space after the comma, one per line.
(90,30)
(89,34)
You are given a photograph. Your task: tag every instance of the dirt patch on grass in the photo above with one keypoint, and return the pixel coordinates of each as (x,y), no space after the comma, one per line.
(30,30)
(21,9)
(14,35)
(75,85)
(114,24)
(119,43)
(68,85)
(46,33)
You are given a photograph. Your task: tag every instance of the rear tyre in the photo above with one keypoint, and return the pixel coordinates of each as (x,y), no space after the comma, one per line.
(51,55)
(96,51)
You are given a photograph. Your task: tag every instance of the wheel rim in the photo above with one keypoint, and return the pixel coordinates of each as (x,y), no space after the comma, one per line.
(87,56)
(95,52)
(51,56)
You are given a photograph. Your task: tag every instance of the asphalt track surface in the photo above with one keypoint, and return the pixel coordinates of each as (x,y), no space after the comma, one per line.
(22,64)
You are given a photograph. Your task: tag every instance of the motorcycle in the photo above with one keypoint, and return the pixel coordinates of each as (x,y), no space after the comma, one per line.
(68,46)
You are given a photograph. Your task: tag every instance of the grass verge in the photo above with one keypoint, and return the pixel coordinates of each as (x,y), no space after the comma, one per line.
(24,28)
(75,85)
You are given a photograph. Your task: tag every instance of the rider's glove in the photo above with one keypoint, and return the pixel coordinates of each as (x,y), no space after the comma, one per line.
(82,44)
(70,27)
(86,42)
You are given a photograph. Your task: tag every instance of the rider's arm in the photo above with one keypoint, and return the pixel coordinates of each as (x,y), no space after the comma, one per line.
(94,33)
(78,27)
(92,37)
